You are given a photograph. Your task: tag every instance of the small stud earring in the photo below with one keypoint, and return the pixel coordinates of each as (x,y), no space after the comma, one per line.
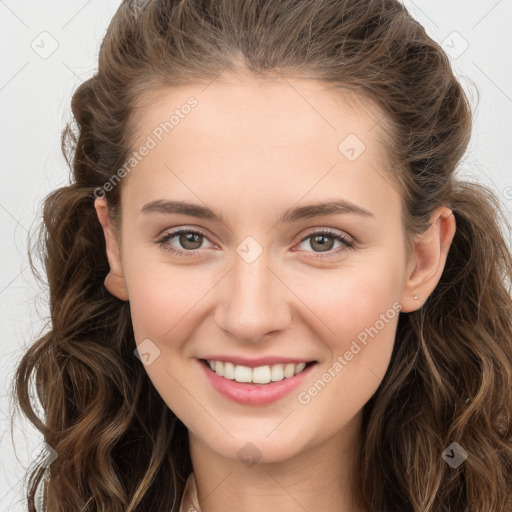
(416,297)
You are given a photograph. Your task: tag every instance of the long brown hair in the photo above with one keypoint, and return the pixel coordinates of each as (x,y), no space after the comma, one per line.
(120,448)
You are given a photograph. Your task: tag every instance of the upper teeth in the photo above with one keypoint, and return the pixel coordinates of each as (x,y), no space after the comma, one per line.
(258,375)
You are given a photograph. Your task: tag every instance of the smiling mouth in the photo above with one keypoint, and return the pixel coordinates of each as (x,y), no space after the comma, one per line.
(258,375)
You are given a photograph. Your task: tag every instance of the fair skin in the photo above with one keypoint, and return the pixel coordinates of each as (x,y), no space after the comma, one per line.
(250,150)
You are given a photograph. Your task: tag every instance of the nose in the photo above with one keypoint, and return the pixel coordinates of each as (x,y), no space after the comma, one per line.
(253,301)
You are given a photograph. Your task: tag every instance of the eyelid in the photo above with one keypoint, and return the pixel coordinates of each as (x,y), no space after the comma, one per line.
(186,227)
(331,231)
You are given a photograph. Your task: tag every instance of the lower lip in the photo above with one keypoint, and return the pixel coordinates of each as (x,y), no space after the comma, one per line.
(254,394)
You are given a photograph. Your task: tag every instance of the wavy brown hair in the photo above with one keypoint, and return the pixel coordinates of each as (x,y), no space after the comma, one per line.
(120,448)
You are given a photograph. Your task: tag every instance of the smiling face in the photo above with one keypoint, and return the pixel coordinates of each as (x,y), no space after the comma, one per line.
(253,275)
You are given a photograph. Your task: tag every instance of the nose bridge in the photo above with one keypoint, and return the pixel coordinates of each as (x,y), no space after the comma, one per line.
(254,304)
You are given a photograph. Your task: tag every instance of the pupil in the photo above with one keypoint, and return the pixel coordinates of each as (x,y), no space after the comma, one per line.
(322,245)
(190,238)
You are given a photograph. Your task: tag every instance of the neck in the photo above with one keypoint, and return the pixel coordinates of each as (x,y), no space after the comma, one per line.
(320,477)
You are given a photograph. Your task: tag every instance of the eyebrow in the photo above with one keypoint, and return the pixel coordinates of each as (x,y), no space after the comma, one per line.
(327,207)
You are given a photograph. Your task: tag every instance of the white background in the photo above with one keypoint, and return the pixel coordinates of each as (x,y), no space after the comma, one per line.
(35,95)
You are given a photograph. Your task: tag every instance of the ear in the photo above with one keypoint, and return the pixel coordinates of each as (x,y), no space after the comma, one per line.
(425,267)
(114,282)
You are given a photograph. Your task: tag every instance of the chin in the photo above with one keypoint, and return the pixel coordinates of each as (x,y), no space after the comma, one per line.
(258,448)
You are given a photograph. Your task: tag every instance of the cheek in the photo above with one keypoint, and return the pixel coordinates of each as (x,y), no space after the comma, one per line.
(359,308)
(352,298)
(163,298)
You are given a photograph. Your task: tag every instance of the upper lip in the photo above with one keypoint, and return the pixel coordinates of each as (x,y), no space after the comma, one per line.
(260,361)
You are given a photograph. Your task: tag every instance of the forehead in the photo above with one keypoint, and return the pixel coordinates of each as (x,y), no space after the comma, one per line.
(298,107)
(289,134)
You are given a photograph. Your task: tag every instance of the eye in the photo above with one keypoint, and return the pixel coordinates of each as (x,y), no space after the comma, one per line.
(190,240)
(324,240)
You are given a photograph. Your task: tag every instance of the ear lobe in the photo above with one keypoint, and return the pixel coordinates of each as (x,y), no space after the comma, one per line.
(114,281)
(429,259)
(116,286)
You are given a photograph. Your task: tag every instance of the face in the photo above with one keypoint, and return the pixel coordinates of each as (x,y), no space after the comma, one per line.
(245,280)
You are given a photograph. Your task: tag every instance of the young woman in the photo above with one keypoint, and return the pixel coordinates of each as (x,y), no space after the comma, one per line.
(268,289)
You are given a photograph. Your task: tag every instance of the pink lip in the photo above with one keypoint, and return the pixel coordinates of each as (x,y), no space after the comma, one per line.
(253,363)
(253,394)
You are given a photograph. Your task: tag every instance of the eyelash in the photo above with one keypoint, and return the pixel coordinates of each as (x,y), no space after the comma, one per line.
(347,244)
